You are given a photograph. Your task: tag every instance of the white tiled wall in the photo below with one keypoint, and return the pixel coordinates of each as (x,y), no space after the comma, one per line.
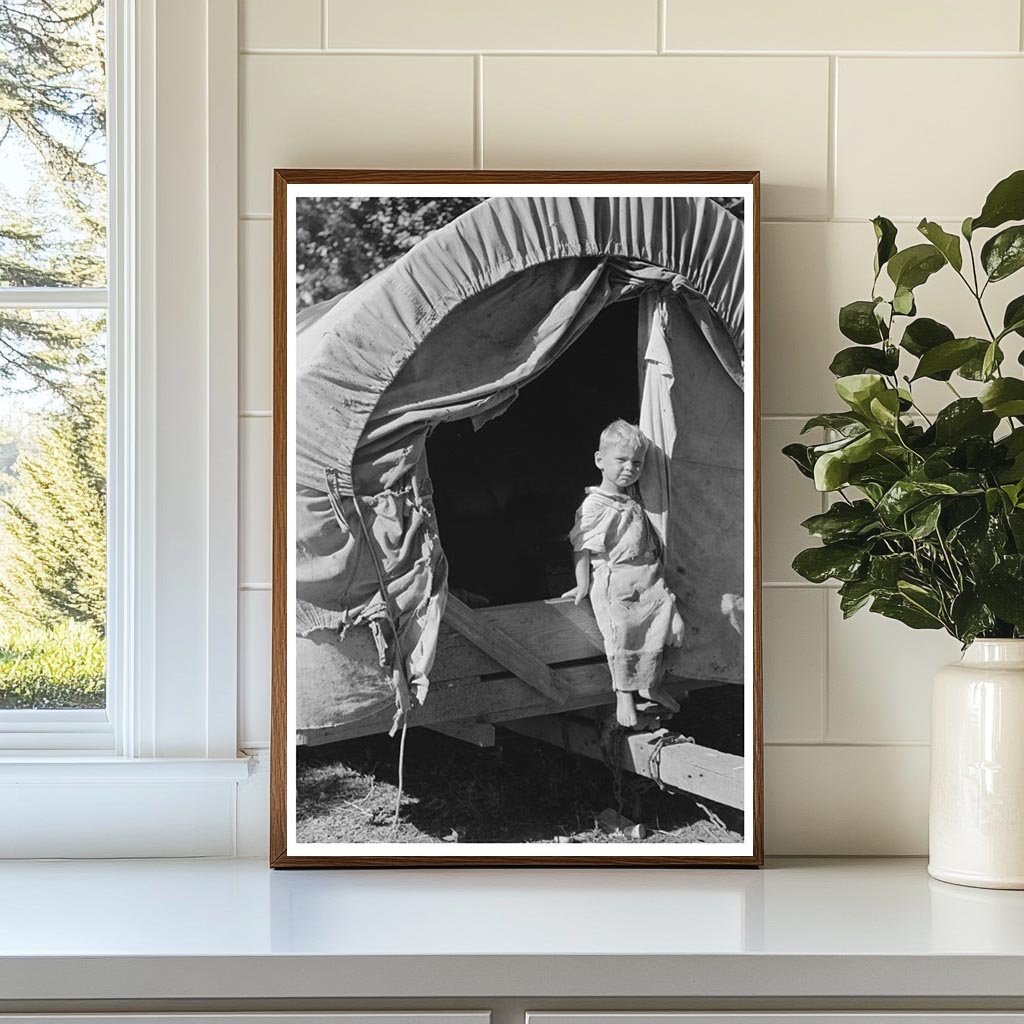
(906,109)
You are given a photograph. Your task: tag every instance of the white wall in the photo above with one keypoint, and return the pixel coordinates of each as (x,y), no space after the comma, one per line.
(905,109)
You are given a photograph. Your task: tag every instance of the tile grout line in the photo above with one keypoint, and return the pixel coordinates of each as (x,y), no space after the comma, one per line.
(825,724)
(1020,25)
(298,51)
(831,171)
(826,690)
(851,744)
(478,111)
(323,24)
(662,28)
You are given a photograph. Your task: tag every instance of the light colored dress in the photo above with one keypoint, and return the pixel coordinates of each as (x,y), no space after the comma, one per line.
(632,603)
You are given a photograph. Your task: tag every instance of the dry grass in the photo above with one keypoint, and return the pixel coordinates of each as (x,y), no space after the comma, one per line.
(519,790)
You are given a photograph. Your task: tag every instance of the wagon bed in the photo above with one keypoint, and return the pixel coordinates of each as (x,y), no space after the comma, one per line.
(539,669)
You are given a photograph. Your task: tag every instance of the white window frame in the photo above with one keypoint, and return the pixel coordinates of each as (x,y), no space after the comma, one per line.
(173,468)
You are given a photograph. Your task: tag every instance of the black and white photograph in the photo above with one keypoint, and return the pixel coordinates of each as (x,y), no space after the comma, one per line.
(515,556)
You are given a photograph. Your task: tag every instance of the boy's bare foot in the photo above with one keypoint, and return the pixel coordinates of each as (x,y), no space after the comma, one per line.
(625,709)
(661,696)
(678,630)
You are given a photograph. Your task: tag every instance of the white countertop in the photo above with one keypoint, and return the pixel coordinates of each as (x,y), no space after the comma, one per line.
(235,929)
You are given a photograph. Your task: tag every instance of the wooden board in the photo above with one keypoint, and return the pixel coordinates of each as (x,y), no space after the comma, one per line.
(493,699)
(554,631)
(693,769)
(479,734)
(505,649)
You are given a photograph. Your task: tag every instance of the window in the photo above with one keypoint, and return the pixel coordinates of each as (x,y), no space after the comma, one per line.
(53,372)
(160,301)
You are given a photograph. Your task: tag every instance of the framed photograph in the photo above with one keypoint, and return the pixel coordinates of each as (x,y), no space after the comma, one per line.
(516,607)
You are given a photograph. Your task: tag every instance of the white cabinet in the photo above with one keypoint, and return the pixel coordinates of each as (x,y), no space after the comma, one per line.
(785,1017)
(361,1017)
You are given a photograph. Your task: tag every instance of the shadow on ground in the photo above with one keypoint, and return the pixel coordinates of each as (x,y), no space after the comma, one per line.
(520,790)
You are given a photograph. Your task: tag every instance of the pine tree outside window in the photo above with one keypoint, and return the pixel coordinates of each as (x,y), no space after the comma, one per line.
(53,370)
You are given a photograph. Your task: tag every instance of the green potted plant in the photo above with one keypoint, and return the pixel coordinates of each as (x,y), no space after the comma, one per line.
(926,521)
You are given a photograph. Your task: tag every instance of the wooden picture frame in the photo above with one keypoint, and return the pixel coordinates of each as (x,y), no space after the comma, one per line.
(684,247)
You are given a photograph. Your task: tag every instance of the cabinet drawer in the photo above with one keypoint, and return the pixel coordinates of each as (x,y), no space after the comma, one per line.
(788,1017)
(356,1017)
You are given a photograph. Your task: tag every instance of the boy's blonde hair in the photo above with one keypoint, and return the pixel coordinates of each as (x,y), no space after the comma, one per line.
(626,434)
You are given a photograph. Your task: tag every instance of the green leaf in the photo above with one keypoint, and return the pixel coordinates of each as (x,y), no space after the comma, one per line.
(885,237)
(849,361)
(947,244)
(841,561)
(1015,518)
(841,421)
(912,267)
(899,608)
(1003,254)
(1004,397)
(971,617)
(885,409)
(855,594)
(887,570)
(964,482)
(906,494)
(966,417)
(858,389)
(799,455)
(842,521)
(831,471)
(903,302)
(965,229)
(994,499)
(924,334)
(1014,441)
(857,321)
(1006,599)
(925,518)
(1005,202)
(990,361)
(950,355)
(1013,317)
(974,368)
(864,447)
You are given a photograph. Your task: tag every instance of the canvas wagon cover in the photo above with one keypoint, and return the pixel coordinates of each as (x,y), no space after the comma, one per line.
(451,331)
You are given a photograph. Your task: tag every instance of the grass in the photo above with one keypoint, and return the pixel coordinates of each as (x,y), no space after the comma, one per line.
(60,667)
(519,790)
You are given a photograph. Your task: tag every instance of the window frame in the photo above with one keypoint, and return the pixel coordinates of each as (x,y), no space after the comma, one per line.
(93,729)
(172,510)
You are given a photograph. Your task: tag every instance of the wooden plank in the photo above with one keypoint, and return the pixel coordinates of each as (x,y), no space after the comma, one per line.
(693,769)
(505,649)
(496,699)
(480,734)
(474,699)
(554,630)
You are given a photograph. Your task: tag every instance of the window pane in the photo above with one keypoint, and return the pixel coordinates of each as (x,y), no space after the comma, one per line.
(53,150)
(52,509)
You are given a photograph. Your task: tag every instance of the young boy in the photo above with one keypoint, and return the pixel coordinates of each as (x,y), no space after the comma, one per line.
(618,562)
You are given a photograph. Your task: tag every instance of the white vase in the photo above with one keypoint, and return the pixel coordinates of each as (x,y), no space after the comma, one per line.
(976,814)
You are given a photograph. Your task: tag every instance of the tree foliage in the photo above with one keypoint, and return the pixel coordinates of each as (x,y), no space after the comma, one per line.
(52,126)
(927,525)
(341,241)
(52,234)
(53,520)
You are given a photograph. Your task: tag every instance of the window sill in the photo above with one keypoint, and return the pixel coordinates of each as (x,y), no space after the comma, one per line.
(76,766)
